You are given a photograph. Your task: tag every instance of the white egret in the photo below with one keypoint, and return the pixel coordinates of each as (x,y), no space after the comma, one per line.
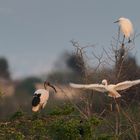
(41,97)
(126,27)
(104,87)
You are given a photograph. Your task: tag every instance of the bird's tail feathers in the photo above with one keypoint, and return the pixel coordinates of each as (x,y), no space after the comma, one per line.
(35,108)
(116,95)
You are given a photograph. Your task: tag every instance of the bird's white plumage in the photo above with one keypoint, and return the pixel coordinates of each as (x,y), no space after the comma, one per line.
(112,88)
(126,26)
(44,95)
(43,99)
(126,84)
(97,87)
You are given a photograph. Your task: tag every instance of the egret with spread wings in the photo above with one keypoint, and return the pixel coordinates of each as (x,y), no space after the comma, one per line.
(104,87)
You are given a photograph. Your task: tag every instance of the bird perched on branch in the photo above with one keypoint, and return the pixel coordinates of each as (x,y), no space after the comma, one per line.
(104,87)
(41,97)
(126,27)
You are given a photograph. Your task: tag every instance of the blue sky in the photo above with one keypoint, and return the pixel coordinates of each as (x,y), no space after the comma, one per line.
(34,33)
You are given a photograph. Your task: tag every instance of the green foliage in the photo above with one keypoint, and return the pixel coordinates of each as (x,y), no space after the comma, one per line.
(67,126)
(63,110)
(64,129)
(9,132)
(38,129)
(15,136)
(23,128)
(17,115)
(72,128)
(105,137)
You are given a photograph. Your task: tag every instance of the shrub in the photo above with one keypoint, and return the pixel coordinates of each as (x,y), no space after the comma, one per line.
(72,128)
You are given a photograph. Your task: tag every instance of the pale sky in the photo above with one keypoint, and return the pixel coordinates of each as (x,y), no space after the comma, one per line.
(34,33)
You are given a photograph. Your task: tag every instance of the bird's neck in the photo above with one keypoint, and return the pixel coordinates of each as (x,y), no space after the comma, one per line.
(106,84)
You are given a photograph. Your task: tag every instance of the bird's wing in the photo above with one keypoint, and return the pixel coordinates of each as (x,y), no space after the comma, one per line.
(97,87)
(44,97)
(126,84)
(43,105)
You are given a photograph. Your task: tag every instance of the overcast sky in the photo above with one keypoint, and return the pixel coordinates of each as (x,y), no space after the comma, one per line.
(34,33)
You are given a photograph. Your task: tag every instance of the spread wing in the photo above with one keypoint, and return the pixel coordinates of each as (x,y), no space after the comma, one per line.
(97,87)
(126,84)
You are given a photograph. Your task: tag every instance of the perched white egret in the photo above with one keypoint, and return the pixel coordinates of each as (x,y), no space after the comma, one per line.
(104,87)
(41,97)
(126,27)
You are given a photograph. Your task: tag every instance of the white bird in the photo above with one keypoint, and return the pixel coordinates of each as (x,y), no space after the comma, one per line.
(126,27)
(41,97)
(104,87)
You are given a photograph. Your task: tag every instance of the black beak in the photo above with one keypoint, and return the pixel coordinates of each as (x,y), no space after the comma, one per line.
(53,88)
(116,21)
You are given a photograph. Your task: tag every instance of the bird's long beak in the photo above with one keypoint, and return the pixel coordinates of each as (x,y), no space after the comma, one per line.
(53,88)
(116,21)
(48,84)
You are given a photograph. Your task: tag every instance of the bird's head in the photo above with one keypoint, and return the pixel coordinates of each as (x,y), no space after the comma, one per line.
(104,82)
(46,83)
(120,19)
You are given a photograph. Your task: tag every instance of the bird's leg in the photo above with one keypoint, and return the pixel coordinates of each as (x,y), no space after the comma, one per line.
(117,106)
(117,123)
(41,106)
(123,40)
(129,40)
(111,106)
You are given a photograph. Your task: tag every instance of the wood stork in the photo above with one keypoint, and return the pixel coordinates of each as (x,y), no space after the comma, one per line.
(41,97)
(126,27)
(104,87)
